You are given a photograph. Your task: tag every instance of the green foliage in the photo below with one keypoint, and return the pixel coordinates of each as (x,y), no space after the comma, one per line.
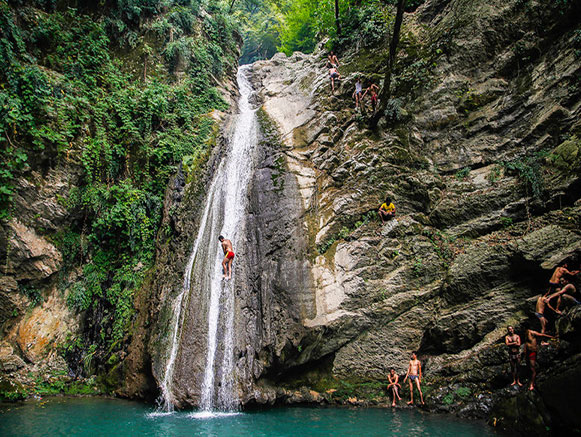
(462,174)
(505,221)
(32,293)
(78,87)
(417,266)
(529,171)
(345,231)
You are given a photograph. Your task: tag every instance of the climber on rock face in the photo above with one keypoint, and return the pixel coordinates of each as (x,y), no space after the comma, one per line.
(565,292)
(228,256)
(512,341)
(542,302)
(333,74)
(372,90)
(358,93)
(333,60)
(555,281)
(531,349)
(415,374)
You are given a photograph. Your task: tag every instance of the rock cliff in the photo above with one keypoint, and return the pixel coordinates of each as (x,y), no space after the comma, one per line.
(482,161)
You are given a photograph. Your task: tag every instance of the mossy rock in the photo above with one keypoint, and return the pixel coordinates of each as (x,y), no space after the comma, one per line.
(567,156)
(11,391)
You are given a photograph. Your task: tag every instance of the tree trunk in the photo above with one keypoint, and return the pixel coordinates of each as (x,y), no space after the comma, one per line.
(386,92)
(337,22)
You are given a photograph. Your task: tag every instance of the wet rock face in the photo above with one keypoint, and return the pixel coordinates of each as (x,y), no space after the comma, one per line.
(470,250)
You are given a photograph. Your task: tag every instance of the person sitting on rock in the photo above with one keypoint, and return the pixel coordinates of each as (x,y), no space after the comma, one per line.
(228,257)
(333,74)
(387,210)
(560,271)
(358,93)
(334,61)
(415,374)
(512,341)
(393,385)
(372,90)
(531,349)
(565,292)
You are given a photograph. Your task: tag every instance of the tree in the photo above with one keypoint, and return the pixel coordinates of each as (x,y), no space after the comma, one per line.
(386,92)
(337,22)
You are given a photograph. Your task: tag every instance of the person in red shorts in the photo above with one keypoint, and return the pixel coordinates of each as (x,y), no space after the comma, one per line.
(531,349)
(228,256)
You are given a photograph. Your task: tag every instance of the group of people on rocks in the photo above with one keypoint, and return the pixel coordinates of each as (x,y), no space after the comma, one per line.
(359,93)
(560,288)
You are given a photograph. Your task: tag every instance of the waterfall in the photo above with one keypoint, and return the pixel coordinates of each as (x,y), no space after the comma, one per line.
(224,214)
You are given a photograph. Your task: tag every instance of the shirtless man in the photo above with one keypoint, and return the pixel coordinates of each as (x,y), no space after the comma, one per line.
(512,341)
(228,257)
(393,379)
(333,74)
(555,281)
(333,60)
(415,374)
(542,302)
(372,90)
(531,349)
(567,289)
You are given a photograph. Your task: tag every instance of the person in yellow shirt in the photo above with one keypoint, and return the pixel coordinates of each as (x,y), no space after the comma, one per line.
(387,210)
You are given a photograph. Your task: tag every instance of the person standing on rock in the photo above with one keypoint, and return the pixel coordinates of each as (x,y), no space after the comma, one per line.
(393,385)
(512,341)
(555,281)
(415,374)
(228,256)
(358,93)
(387,210)
(531,349)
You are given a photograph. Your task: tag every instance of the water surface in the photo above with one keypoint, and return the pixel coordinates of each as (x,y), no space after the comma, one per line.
(113,417)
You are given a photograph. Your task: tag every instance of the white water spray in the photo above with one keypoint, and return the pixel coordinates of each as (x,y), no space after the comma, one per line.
(224,213)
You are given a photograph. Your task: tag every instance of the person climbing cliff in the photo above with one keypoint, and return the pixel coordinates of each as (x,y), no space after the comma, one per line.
(565,292)
(358,93)
(387,210)
(512,341)
(543,301)
(333,75)
(333,60)
(560,271)
(228,256)
(393,385)
(531,349)
(415,374)
(373,89)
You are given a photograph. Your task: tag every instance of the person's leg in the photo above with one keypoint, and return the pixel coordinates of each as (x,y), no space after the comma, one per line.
(393,395)
(543,324)
(558,303)
(420,390)
(381,213)
(411,392)
(224,267)
(230,267)
(517,376)
(532,365)
(513,370)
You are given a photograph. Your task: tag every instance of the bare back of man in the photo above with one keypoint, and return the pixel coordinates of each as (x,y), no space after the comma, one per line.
(531,349)
(565,292)
(560,272)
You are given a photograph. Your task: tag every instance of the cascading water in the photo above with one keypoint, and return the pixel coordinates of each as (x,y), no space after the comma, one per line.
(224,214)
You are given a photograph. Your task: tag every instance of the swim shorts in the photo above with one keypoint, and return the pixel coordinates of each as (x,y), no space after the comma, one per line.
(532,356)
(413,377)
(229,254)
